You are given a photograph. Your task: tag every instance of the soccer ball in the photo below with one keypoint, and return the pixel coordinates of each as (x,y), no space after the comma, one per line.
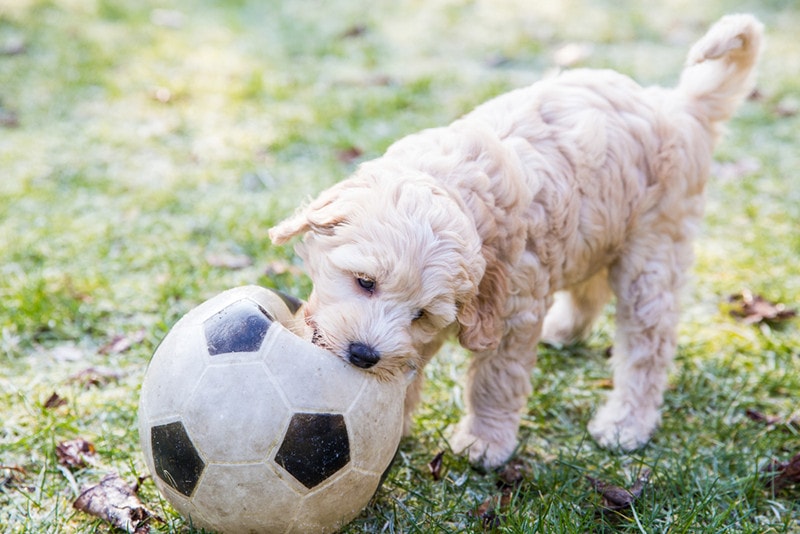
(247,427)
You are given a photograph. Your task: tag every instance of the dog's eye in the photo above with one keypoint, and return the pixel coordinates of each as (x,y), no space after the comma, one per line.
(367,284)
(419,314)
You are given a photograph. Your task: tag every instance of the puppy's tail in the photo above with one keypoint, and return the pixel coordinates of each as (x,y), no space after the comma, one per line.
(719,70)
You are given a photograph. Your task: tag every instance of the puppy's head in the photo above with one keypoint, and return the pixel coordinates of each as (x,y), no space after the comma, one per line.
(395,261)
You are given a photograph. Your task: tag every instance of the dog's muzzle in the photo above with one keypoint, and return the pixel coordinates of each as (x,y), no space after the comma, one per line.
(362,355)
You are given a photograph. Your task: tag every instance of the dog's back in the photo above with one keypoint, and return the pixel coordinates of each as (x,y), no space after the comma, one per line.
(636,153)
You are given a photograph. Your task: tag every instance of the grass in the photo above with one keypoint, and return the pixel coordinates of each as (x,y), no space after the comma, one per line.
(142,142)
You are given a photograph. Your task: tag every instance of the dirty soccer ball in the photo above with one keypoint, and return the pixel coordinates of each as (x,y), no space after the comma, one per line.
(246,427)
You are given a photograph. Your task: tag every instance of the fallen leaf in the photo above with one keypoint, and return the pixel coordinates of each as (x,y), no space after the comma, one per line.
(75,453)
(756,95)
(490,511)
(123,342)
(354,31)
(497,60)
(435,466)
(16,468)
(787,107)
(616,498)
(279,267)
(95,376)
(54,401)
(785,473)
(8,119)
(486,512)
(349,154)
(512,474)
(229,261)
(13,476)
(753,309)
(115,502)
(772,420)
(759,417)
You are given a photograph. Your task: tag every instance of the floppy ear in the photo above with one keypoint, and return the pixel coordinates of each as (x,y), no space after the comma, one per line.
(479,318)
(321,215)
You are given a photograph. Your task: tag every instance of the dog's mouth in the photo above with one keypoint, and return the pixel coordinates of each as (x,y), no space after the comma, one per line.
(316,336)
(318,340)
(381,372)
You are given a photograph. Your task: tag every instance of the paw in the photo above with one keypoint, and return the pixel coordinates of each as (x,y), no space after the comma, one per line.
(562,328)
(622,425)
(557,329)
(488,451)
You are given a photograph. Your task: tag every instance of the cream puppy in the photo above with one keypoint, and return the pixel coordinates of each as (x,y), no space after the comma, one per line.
(516,223)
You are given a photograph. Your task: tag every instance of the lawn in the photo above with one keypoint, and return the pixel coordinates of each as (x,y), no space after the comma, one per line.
(146,148)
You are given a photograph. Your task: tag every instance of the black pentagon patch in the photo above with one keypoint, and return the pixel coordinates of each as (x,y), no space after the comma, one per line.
(240,327)
(291,302)
(315,447)
(177,461)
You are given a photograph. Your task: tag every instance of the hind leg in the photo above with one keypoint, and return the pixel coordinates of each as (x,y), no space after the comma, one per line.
(574,310)
(646,283)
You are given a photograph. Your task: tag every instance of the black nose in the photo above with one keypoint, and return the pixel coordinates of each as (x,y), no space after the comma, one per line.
(362,355)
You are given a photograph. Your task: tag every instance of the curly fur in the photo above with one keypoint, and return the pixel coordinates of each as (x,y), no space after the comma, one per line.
(550,197)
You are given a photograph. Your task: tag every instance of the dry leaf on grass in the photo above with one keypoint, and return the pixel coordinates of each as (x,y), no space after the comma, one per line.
(229,261)
(95,376)
(356,30)
(509,478)
(279,267)
(512,474)
(116,502)
(8,118)
(491,510)
(11,475)
(787,107)
(75,453)
(616,498)
(753,309)
(122,342)
(771,420)
(784,473)
(54,401)
(435,466)
(349,154)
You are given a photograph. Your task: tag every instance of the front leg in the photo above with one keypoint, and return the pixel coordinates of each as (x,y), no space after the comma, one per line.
(498,386)
(413,392)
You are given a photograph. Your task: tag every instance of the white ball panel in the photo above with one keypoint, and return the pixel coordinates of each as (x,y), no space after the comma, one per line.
(244,498)
(377,427)
(174,371)
(329,508)
(312,379)
(235,413)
